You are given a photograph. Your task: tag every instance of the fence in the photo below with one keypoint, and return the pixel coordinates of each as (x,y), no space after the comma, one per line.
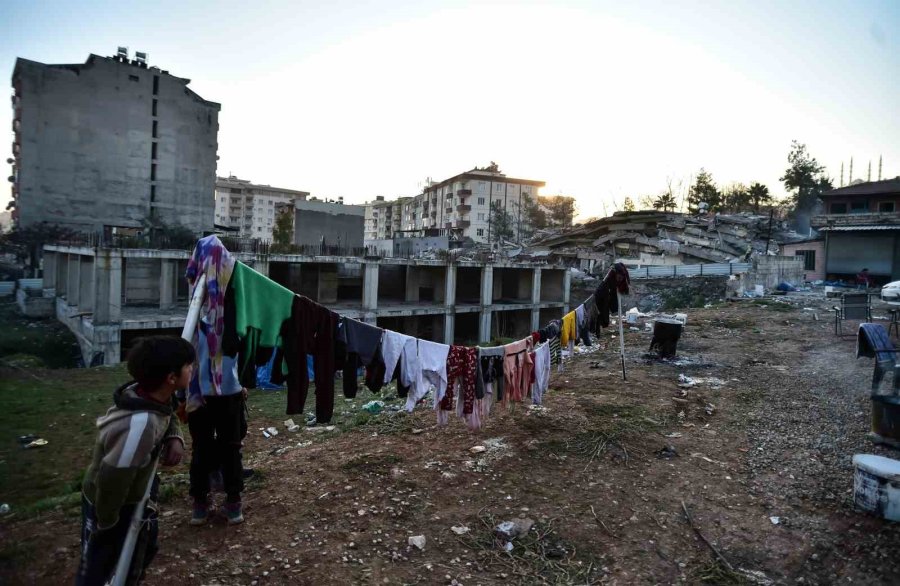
(709,269)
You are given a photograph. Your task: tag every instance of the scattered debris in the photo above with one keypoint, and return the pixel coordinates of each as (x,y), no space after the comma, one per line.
(4,509)
(291,426)
(513,528)
(477,449)
(373,407)
(775,520)
(39,442)
(667,453)
(460,530)
(417,541)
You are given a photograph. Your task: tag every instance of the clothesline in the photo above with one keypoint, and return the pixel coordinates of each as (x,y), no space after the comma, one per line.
(248,317)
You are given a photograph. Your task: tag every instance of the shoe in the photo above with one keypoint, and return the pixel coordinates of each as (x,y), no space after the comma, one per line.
(199,513)
(234,512)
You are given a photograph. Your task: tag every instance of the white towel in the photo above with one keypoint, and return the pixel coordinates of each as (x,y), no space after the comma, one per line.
(432,371)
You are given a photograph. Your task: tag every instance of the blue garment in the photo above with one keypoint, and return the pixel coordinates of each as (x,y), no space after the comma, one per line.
(872,341)
(202,383)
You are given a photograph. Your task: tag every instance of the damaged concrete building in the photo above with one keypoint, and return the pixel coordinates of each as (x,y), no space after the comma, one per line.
(109,297)
(651,238)
(111,145)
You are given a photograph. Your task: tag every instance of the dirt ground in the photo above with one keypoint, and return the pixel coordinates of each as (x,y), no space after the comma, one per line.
(758,450)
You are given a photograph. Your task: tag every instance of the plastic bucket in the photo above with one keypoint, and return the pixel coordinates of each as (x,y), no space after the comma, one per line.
(876,485)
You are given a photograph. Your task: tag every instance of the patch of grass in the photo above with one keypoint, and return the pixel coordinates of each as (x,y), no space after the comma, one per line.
(26,343)
(773,305)
(732,324)
(60,406)
(371,463)
(540,557)
(714,572)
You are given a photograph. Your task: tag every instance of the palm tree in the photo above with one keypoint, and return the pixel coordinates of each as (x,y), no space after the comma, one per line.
(665,202)
(759,195)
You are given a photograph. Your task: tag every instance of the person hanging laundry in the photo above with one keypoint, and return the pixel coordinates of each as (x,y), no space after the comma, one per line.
(569,331)
(212,259)
(310,331)
(541,373)
(517,368)
(401,350)
(432,372)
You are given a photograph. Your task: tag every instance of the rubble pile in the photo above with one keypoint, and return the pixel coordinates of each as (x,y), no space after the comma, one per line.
(655,238)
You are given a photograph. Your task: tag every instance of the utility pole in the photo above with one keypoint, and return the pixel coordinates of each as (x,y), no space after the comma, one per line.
(769,237)
(842,173)
(869,176)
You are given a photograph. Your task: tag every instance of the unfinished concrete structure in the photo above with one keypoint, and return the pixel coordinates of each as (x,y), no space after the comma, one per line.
(111,144)
(110,297)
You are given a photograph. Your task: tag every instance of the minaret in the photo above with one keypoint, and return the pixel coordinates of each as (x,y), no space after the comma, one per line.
(842,173)
(850,180)
(879,167)
(869,176)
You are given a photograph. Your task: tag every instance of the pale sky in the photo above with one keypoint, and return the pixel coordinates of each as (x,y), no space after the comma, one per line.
(601,100)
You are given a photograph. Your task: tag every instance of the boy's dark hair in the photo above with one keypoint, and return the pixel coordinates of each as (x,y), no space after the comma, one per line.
(154,358)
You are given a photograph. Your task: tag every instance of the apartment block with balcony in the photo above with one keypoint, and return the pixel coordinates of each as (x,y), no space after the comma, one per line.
(458,207)
(251,208)
(861,224)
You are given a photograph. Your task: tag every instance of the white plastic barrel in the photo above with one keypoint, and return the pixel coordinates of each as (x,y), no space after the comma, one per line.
(876,485)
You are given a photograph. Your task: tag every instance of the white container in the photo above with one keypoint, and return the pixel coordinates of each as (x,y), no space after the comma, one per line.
(759,290)
(682,317)
(876,485)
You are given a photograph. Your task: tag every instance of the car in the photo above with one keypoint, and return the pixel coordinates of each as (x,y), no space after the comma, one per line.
(891,291)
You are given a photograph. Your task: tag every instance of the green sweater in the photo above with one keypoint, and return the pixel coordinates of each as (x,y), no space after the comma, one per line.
(122,460)
(260,303)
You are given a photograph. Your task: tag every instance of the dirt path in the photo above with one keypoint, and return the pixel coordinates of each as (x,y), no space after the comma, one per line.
(778,408)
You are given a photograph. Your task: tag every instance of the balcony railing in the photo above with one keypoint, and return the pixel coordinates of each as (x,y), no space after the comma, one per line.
(463,192)
(463,223)
(464,207)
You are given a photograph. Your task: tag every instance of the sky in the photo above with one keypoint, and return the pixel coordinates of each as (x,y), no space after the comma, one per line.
(601,100)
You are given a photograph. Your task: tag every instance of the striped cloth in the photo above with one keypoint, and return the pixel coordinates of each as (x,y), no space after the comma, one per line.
(555,352)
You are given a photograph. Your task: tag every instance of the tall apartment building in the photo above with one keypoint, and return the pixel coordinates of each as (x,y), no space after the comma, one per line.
(458,207)
(250,207)
(111,143)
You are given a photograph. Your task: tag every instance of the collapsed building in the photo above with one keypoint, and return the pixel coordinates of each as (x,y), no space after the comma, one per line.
(653,238)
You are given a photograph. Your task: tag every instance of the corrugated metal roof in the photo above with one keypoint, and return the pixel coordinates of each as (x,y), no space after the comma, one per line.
(858,228)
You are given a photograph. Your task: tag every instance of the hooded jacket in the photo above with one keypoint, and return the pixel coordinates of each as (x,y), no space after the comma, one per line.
(128,439)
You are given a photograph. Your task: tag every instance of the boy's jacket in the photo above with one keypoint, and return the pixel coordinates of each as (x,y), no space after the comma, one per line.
(128,440)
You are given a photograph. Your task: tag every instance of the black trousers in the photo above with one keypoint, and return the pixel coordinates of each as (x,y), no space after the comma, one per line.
(100,549)
(216,434)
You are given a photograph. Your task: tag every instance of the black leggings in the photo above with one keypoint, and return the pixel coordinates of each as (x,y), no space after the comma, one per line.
(216,431)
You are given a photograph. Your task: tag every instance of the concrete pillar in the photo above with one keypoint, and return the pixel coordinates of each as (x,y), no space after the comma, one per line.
(487,285)
(412,284)
(62,271)
(167,278)
(86,284)
(49,272)
(370,286)
(536,286)
(450,286)
(567,290)
(107,286)
(484,326)
(449,323)
(73,285)
(328,285)
(536,319)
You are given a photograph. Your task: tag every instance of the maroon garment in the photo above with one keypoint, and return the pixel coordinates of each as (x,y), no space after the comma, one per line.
(310,331)
(535,338)
(461,364)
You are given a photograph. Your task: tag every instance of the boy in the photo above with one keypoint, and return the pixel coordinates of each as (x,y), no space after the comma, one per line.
(130,436)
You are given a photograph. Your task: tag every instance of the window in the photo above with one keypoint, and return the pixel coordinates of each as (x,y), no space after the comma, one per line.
(155,85)
(479,232)
(809,259)
(154,107)
(259,228)
(153,150)
(235,190)
(480,217)
(859,207)
(481,201)
(838,208)
(886,206)
(134,78)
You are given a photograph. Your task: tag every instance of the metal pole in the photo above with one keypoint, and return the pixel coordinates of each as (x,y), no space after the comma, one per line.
(137,518)
(621,335)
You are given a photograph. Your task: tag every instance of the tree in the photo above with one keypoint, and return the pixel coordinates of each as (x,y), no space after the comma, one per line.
(560,210)
(665,202)
(535,218)
(283,231)
(27,244)
(758,194)
(501,226)
(704,191)
(628,205)
(735,198)
(805,177)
